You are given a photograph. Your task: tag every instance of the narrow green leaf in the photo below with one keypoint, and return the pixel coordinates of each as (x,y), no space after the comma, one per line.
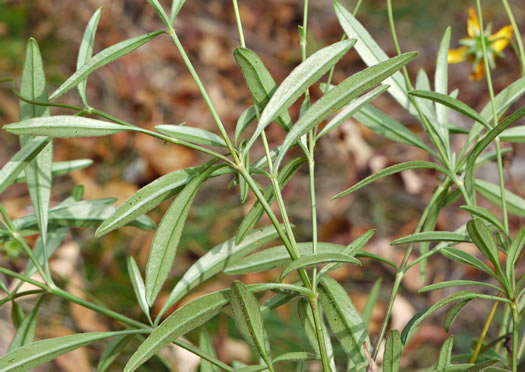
(393,170)
(138,285)
(484,214)
(454,313)
(371,53)
(64,126)
(466,258)
(15,165)
(248,318)
(304,75)
(430,236)
(38,172)
(351,249)
(188,317)
(296,357)
(193,135)
(103,58)
(150,196)
(206,345)
(423,83)
(25,333)
(17,314)
(344,319)
(457,283)
(491,192)
(251,369)
(257,211)
(445,354)
(350,109)
(161,13)
(112,350)
(483,239)
(176,6)
(317,259)
(244,121)
(260,83)
(513,253)
(514,134)
(54,240)
(370,302)
(243,185)
(216,260)
(61,168)
(441,86)
(86,51)
(40,352)
(392,354)
(385,126)
(167,237)
(341,95)
(453,103)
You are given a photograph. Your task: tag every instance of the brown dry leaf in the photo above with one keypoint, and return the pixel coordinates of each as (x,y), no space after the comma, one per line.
(118,189)
(65,259)
(86,320)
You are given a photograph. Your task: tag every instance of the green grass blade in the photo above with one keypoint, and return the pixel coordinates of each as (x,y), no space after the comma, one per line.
(103,58)
(86,51)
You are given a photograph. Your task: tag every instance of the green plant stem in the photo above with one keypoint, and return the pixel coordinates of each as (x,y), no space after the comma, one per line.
(517,34)
(515,336)
(14,296)
(314,304)
(47,104)
(313,202)
(23,278)
(475,354)
(204,356)
(204,93)
(239,23)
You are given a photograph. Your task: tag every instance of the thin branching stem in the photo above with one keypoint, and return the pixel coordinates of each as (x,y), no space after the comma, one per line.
(517,33)
(239,23)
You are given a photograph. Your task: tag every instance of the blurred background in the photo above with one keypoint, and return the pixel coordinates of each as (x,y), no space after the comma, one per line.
(151,86)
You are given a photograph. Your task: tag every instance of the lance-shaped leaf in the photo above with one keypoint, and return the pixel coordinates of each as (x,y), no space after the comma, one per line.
(423,83)
(192,135)
(344,319)
(40,352)
(160,11)
(167,237)
(25,333)
(351,109)
(60,168)
(38,172)
(385,126)
(260,83)
(151,195)
(392,354)
(371,302)
(371,53)
(257,211)
(86,51)
(393,170)
(455,104)
(15,165)
(466,258)
(248,318)
(54,240)
(17,313)
(513,254)
(445,354)
(188,317)
(485,214)
(244,121)
(341,95)
(492,192)
(454,313)
(103,58)
(454,297)
(457,283)
(441,87)
(431,236)
(216,260)
(304,75)
(65,126)
(112,350)
(514,134)
(483,239)
(176,6)
(206,345)
(317,259)
(138,285)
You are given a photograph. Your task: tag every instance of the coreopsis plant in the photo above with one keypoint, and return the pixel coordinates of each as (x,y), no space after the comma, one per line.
(324,308)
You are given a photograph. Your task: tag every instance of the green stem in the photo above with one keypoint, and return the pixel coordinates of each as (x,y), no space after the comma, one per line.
(239,23)
(475,354)
(515,337)
(319,333)
(204,93)
(14,296)
(204,356)
(517,34)
(23,278)
(313,202)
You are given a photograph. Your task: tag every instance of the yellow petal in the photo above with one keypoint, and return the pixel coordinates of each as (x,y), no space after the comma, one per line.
(501,38)
(478,72)
(472,23)
(457,55)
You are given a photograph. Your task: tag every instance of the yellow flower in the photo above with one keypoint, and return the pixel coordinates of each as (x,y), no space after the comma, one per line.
(472,50)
